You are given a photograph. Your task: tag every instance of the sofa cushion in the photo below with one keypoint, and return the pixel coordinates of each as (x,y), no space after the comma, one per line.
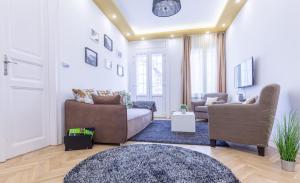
(114,100)
(201,109)
(104,92)
(84,95)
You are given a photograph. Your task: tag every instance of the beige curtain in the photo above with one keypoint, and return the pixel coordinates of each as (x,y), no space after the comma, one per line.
(221,56)
(186,73)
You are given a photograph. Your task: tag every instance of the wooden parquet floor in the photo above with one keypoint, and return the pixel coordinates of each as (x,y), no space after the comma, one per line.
(52,163)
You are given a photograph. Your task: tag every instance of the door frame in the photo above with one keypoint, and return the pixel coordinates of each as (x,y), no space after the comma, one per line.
(53,83)
(149,53)
(2,106)
(55,130)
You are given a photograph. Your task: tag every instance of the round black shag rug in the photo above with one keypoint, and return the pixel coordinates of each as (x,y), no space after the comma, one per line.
(150,163)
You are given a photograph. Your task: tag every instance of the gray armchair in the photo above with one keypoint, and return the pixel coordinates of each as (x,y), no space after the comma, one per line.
(201,110)
(245,124)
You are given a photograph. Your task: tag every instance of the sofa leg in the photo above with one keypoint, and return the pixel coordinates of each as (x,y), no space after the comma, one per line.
(213,142)
(261,150)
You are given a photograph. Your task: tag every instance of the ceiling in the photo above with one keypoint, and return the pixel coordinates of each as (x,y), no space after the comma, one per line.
(135,20)
(193,14)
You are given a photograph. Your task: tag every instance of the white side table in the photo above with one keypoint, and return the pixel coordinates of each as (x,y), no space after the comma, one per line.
(183,122)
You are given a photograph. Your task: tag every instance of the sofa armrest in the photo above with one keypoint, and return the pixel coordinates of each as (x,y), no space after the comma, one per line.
(110,121)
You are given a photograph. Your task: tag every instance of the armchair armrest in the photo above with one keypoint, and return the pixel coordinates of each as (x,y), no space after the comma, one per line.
(220,102)
(197,103)
(245,124)
(233,113)
(110,121)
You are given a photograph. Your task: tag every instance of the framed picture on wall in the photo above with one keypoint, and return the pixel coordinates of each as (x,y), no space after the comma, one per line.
(108,64)
(119,54)
(108,43)
(94,35)
(120,70)
(91,57)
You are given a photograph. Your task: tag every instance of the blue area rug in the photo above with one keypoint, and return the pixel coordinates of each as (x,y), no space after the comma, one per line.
(160,131)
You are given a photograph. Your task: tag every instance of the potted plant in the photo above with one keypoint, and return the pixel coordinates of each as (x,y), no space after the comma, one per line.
(183,108)
(287,140)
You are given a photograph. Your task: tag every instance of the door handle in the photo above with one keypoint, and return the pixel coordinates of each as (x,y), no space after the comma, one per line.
(6,62)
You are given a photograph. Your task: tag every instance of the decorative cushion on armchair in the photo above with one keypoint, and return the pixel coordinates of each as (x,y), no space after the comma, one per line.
(200,108)
(211,100)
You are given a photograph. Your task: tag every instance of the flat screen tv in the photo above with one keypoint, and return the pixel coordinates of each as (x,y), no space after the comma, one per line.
(243,74)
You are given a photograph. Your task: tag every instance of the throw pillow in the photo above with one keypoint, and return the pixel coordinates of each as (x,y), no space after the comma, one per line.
(104,93)
(113,100)
(125,98)
(251,100)
(83,95)
(211,100)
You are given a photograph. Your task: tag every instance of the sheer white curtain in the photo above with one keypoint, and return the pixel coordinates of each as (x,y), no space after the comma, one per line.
(203,60)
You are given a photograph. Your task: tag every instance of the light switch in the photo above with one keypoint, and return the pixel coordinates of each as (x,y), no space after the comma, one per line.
(65,65)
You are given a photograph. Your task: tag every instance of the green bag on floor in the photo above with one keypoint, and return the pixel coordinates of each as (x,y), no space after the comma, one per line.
(80,131)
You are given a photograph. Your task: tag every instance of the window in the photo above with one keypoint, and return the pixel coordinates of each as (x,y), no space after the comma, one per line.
(203,64)
(157,74)
(141,75)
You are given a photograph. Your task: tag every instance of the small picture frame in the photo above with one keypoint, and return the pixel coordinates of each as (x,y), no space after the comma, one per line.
(91,57)
(119,54)
(120,70)
(108,64)
(94,35)
(108,43)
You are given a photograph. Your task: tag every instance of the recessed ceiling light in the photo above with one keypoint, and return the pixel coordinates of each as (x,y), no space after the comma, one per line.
(223,25)
(172,35)
(207,32)
(237,1)
(142,38)
(128,34)
(114,16)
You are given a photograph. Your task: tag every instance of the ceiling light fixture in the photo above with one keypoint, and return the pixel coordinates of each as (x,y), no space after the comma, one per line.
(166,8)
(172,35)
(128,34)
(223,25)
(142,38)
(114,16)
(207,32)
(237,1)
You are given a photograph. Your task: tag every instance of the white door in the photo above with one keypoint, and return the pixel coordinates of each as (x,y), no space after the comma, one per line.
(24,77)
(149,81)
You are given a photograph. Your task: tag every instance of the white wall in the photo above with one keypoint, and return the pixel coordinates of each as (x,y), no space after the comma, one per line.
(269,31)
(77,17)
(173,51)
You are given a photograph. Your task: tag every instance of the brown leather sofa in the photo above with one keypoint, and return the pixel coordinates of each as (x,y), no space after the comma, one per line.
(201,110)
(249,124)
(114,124)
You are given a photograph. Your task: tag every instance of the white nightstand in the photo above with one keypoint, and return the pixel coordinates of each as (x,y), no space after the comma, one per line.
(183,122)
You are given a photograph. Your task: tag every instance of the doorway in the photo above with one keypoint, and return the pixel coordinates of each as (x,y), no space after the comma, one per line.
(149,80)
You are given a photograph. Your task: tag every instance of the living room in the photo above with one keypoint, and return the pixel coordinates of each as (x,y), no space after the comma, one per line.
(149,91)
